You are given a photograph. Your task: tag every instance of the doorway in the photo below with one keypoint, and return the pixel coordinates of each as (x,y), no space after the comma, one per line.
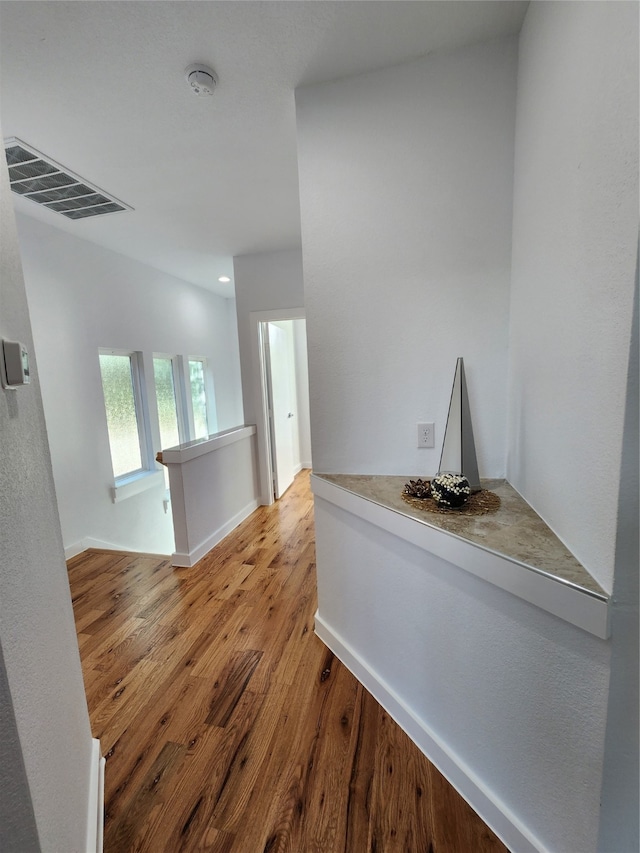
(282,402)
(284,391)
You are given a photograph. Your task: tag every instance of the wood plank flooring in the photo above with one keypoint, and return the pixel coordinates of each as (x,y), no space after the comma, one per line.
(229,727)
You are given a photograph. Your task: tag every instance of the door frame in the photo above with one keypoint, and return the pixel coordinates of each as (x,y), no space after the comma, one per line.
(260,394)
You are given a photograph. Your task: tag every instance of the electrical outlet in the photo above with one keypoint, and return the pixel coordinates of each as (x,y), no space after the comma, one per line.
(426,436)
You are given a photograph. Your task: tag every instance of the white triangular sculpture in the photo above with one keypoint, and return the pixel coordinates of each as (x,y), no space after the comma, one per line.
(458,448)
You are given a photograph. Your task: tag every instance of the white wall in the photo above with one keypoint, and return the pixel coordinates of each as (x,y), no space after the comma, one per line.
(406,222)
(509,701)
(47,747)
(574,251)
(406,191)
(573,377)
(212,493)
(263,282)
(620,818)
(18,830)
(83,297)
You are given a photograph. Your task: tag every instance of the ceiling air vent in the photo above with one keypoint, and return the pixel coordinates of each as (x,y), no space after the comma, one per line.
(40,179)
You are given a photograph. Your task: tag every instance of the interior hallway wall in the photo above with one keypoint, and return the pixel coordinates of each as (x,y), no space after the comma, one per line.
(406,198)
(264,282)
(83,297)
(620,819)
(390,164)
(575,230)
(46,749)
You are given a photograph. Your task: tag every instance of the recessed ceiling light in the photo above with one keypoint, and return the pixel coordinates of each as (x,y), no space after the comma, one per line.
(224,279)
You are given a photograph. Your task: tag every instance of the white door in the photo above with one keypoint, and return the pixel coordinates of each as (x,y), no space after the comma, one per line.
(282,388)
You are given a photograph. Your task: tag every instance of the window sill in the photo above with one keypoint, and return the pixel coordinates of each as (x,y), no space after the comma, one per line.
(127,487)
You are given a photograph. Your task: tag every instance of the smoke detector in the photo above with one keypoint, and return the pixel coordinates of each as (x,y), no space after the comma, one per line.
(202,79)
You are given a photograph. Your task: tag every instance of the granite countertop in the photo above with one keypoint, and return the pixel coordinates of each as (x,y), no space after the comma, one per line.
(514,530)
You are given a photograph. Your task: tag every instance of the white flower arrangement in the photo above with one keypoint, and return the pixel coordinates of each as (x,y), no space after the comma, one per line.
(450,490)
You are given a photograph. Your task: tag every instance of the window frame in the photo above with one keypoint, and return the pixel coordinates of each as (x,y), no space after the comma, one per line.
(177,373)
(138,480)
(209,396)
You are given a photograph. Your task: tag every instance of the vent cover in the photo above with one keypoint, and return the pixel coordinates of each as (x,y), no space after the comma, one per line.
(40,179)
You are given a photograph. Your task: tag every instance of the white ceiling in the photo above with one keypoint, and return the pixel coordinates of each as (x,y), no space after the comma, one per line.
(99,87)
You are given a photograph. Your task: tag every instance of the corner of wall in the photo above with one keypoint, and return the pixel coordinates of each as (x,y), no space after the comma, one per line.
(37,631)
(619,825)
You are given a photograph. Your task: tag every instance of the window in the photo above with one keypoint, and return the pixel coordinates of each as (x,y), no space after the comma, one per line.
(134,469)
(168,419)
(121,387)
(197,376)
(165,373)
(185,412)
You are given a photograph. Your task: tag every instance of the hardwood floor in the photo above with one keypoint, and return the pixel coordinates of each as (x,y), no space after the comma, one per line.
(229,727)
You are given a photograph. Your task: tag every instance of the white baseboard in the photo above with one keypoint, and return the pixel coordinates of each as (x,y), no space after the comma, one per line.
(482,799)
(95,805)
(89,542)
(72,550)
(99,545)
(181,558)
